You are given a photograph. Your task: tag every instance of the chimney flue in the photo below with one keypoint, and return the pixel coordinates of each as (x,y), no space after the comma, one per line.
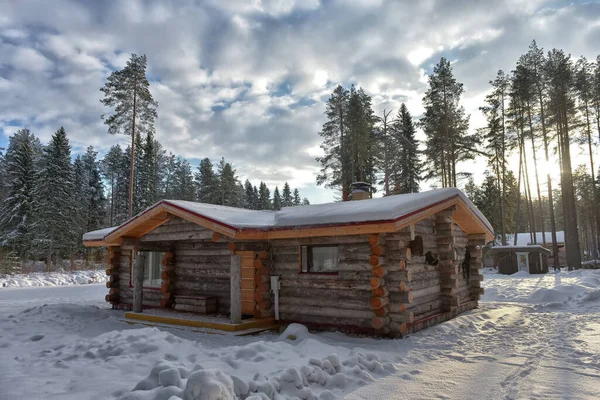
(360,191)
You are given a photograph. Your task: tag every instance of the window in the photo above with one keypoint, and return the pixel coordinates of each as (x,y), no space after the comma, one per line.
(319,259)
(153,268)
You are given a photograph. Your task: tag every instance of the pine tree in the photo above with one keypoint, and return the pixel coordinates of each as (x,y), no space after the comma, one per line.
(559,72)
(584,85)
(276,199)
(286,196)
(264,197)
(496,139)
(535,63)
(169,173)
(16,211)
(127,91)
(335,163)
(407,166)
(305,202)
(361,135)
(445,125)
(54,206)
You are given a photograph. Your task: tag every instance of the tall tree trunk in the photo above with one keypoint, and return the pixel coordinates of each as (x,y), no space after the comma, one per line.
(549,182)
(503,176)
(537,179)
(518,214)
(595,214)
(131,183)
(572,244)
(532,226)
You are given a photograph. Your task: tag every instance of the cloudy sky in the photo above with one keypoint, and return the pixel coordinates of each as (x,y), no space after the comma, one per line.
(247,79)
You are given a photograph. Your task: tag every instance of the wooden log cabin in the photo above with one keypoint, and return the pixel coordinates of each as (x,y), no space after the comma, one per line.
(384,266)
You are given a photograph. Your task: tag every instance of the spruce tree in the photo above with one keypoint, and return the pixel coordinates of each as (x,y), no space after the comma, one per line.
(250,201)
(297,200)
(207,184)
(277,202)
(54,206)
(127,92)
(183,181)
(169,173)
(287,200)
(96,202)
(229,189)
(110,167)
(388,147)
(407,166)
(264,197)
(16,211)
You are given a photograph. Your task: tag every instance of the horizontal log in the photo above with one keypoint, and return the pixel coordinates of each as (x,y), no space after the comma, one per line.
(318,293)
(397,307)
(398,328)
(208,309)
(201,265)
(380,322)
(176,236)
(398,276)
(362,276)
(407,317)
(207,273)
(477,277)
(377,282)
(422,284)
(111,298)
(376,240)
(427,291)
(113,291)
(401,297)
(327,284)
(201,286)
(348,304)
(378,271)
(379,302)
(325,312)
(333,240)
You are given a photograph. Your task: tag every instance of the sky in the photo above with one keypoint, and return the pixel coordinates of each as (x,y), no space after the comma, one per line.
(248,79)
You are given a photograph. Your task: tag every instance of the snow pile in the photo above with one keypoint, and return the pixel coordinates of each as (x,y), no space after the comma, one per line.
(553,289)
(284,368)
(53,279)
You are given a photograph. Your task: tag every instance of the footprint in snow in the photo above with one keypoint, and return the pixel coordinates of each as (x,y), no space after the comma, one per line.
(36,338)
(415,372)
(406,377)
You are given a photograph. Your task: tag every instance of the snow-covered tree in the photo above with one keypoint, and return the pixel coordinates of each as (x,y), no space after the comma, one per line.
(276,199)
(264,197)
(207,183)
(297,200)
(183,181)
(54,207)
(230,191)
(16,211)
(407,161)
(287,200)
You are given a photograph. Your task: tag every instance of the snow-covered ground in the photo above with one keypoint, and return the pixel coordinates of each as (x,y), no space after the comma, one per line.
(52,279)
(533,337)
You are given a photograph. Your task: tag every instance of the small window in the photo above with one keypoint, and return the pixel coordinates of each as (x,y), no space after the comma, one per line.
(319,259)
(152,268)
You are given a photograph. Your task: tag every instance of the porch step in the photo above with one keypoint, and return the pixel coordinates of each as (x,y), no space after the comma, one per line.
(246,332)
(200,321)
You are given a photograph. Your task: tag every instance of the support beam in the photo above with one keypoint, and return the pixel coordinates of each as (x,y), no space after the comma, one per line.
(138,283)
(235,309)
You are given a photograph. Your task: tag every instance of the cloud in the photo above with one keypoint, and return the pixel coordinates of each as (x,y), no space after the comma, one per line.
(248,79)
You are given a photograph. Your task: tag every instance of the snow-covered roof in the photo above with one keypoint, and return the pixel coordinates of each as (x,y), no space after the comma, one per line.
(390,209)
(236,217)
(524,238)
(98,235)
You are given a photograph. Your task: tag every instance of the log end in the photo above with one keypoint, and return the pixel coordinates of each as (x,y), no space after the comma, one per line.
(379,322)
(378,302)
(374,260)
(216,237)
(373,240)
(378,272)
(376,283)
(231,246)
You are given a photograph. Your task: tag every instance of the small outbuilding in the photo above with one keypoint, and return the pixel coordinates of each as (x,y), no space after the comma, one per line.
(530,258)
(383,266)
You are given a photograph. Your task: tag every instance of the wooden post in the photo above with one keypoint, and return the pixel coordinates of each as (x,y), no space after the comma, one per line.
(138,283)
(235,309)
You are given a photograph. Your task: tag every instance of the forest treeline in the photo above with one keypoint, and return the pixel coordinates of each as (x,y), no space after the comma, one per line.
(48,199)
(536,112)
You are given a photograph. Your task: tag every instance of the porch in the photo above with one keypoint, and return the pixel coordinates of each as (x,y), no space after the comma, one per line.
(211,323)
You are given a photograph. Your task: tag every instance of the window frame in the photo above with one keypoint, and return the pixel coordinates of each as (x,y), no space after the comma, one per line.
(308,248)
(147,284)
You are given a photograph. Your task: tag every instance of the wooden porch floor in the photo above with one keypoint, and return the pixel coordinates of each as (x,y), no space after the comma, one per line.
(213,322)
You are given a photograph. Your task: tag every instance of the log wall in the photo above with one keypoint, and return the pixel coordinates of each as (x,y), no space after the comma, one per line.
(333,301)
